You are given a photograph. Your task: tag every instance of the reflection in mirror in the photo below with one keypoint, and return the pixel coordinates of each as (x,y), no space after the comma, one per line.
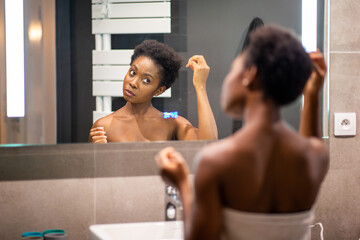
(210,28)
(153,68)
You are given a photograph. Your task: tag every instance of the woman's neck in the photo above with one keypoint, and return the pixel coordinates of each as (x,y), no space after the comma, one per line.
(261,112)
(138,109)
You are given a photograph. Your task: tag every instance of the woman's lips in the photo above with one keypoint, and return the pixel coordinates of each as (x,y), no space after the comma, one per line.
(129,93)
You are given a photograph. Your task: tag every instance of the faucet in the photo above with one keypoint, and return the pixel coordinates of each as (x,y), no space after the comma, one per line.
(173,204)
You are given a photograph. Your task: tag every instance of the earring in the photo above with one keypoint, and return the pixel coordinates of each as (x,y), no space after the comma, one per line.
(245,82)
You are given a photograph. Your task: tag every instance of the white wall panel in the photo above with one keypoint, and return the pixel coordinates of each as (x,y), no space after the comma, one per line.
(140,10)
(115,89)
(133,10)
(127,26)
(102,88)
(98,115)
(97,11)
(109,72)
(117,57)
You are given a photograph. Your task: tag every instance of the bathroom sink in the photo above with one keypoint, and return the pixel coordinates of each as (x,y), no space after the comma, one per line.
(138,231)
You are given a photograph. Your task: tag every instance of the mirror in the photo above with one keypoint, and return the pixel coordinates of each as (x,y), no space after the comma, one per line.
(215,29)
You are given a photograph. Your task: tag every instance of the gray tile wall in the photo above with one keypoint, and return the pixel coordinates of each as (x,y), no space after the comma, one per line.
(338,205)
(73,186)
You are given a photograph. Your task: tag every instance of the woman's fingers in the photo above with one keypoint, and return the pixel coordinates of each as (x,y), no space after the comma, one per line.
(201,70)
(97,129)
(176,156)
(317,77)
(101,141)
(318,59)
(196,60)
(98,138)
(171,165)
(318,63)
(98,135)
(163,157)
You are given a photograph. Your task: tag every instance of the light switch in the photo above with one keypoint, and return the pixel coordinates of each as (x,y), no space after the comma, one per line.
(345,124)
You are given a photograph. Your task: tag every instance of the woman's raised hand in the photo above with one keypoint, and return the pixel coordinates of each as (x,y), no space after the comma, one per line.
(316,79)
(172,166)
(98,135)
(201,70)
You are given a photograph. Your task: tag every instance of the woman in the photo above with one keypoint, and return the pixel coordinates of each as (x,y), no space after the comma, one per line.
(154,67)
(261,182)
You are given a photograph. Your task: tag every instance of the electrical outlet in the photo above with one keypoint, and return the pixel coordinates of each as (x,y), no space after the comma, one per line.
(345,124)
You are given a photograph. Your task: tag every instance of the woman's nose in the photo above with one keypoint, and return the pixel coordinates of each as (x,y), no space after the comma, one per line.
(133,83)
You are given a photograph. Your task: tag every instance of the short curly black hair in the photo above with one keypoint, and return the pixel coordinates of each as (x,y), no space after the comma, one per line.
(282,63)
(169,61)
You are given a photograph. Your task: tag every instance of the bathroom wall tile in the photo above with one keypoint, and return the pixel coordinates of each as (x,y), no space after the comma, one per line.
(345,30)
(344,92)
(47,162)
(130,199)
(47,204)
(344,81)
(344,153)
(113,160)
(110,161)
(337,205)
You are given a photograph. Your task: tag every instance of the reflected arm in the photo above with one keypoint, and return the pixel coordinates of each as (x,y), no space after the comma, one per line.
(207,129)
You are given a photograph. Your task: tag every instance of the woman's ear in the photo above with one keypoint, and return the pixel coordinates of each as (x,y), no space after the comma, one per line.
(160,90)
(250,78)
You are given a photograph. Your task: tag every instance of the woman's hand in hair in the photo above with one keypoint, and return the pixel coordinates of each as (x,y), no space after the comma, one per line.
(310,114)
(201,70)
(97,135)
(172,166)
(317,77)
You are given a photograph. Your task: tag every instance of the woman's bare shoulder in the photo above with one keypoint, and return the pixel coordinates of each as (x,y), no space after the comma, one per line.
(184,129)
(104,121)
(320,152)
(182,122)
(217,153)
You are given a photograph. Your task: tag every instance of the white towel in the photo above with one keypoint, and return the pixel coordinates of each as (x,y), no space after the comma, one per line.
(254,226)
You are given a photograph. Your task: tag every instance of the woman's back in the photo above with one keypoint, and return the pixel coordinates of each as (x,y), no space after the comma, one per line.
(267,169)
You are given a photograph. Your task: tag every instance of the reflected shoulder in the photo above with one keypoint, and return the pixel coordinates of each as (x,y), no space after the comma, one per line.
(104,121)
(185,130)
(182,121)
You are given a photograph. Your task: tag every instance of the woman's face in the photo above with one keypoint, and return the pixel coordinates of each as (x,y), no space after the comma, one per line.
(142,81)
(234,91)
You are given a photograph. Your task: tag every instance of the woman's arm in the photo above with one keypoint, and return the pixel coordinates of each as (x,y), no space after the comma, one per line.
(207,129)
(202,214)
(310,115)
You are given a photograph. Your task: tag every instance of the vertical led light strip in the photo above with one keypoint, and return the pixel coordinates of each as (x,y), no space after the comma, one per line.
(14,36)
(309,24)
